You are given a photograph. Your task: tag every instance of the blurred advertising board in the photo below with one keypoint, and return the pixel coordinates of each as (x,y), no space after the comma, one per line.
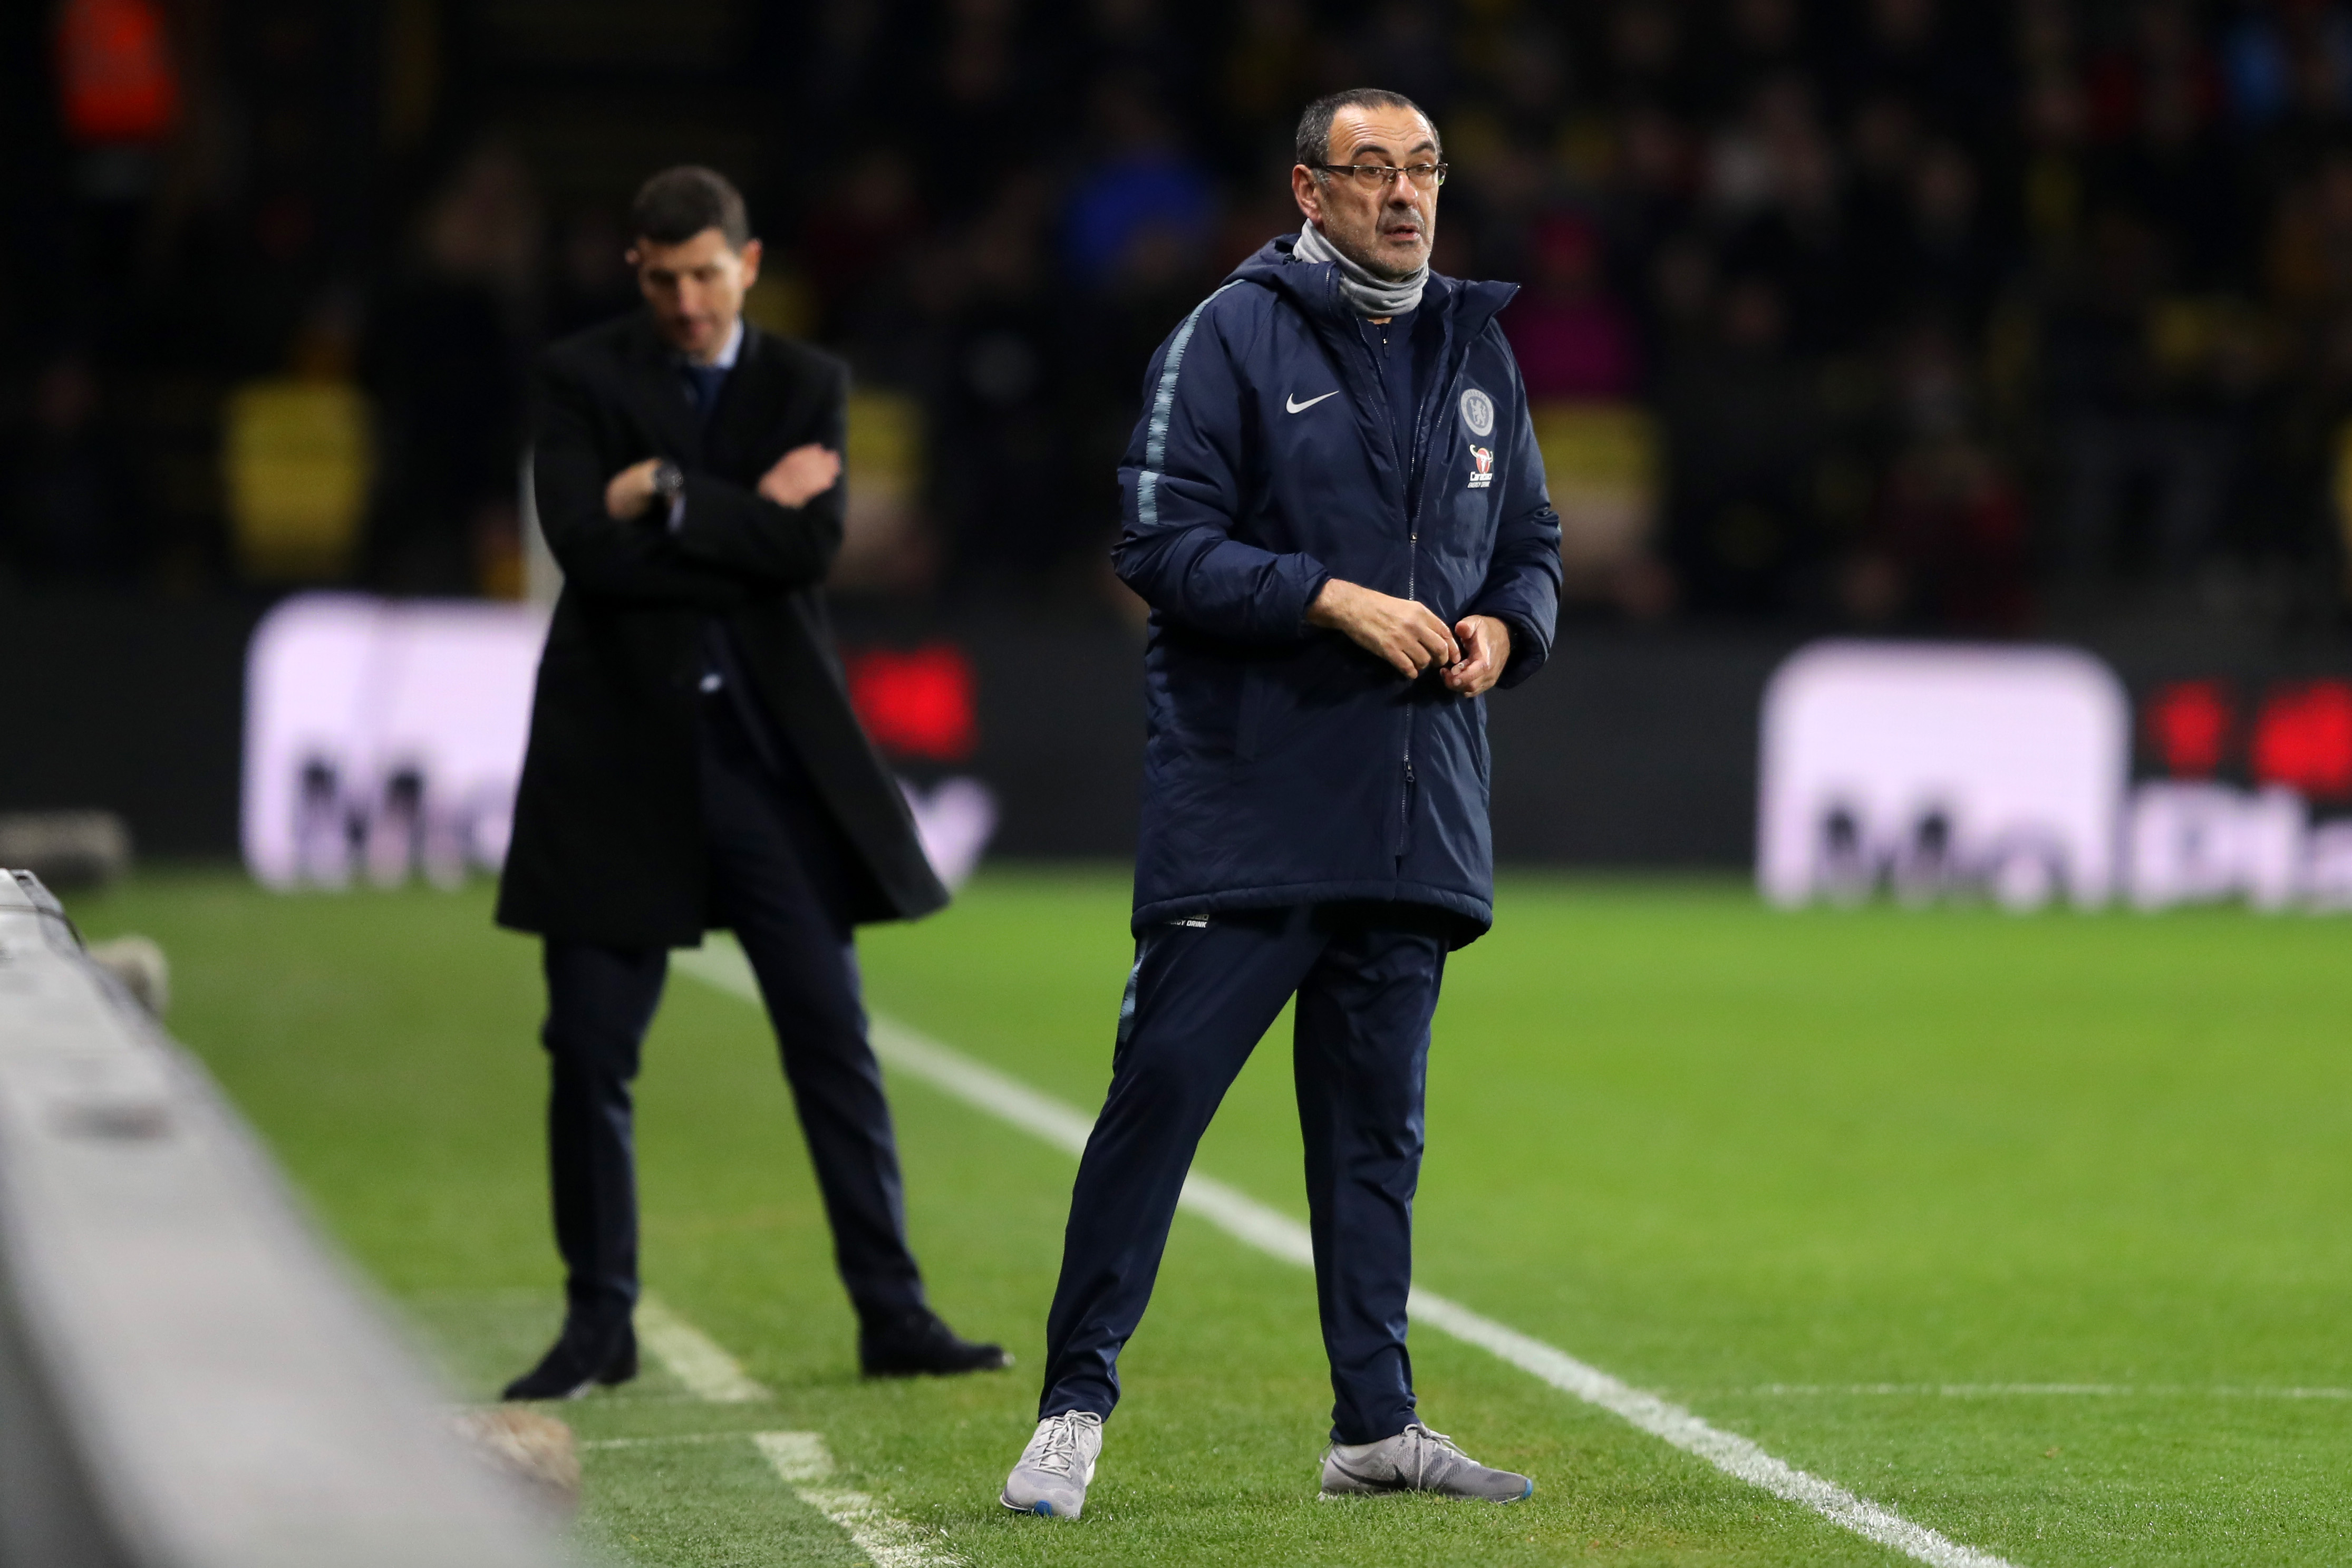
(384,739)
(2011,773)
(1939,769)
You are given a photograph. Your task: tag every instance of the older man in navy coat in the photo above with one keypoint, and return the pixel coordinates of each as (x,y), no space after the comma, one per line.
(1336,509)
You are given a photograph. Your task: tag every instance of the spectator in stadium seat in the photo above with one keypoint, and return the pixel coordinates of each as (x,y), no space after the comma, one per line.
(1144,188)
(65,516)
(1570,339)
(1335,507)
(2130,413)
(694,763)
(449,364)
(1745,433)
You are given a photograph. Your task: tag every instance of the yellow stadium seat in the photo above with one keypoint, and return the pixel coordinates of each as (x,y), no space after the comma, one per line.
(1601,460)
(299,457)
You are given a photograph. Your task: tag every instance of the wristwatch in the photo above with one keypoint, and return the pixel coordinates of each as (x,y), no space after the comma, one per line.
(669,481)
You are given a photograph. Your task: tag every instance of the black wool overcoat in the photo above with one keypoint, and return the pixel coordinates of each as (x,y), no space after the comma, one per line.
(608,843)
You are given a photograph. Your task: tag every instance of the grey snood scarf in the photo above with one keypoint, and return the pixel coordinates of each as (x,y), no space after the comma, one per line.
(1371,296)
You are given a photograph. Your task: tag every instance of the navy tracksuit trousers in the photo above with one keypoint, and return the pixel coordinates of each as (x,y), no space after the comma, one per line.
(1367,978)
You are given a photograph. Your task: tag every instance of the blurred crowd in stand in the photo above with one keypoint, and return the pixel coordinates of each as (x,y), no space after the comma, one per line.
(1884,314)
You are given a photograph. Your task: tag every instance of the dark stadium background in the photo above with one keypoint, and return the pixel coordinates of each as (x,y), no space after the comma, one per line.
(2029,320)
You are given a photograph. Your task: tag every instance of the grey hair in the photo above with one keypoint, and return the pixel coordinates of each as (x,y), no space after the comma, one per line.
(1312,146)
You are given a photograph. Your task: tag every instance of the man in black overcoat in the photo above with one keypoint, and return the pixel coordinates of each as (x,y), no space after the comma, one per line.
(695,763)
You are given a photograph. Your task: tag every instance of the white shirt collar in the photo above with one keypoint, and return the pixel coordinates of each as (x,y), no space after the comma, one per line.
(725,358)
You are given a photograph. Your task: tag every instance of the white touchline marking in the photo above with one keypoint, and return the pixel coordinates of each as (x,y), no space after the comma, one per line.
(800,1458)
(693,1357)
(719,962)
(802,1462)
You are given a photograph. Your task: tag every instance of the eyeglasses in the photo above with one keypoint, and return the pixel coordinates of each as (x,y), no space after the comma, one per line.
(1379,176)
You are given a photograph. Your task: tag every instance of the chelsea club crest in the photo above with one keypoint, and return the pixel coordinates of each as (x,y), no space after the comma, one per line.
(1478,412)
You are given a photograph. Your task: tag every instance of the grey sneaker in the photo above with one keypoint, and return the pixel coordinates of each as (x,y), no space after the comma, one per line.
(1417,1460)
(1057,1466)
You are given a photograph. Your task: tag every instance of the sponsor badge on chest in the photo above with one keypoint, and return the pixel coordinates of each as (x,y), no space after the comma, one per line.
(1478,414)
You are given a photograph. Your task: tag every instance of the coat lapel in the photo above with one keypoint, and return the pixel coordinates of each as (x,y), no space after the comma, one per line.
(659,396)
(746,415)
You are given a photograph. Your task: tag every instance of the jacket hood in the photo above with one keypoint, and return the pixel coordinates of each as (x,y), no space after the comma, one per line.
(1313,287)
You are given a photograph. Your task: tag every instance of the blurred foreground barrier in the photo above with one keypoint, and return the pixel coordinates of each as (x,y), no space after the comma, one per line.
(187,1377)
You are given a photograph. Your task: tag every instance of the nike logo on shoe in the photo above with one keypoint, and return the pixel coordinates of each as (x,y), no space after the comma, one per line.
(1295,406)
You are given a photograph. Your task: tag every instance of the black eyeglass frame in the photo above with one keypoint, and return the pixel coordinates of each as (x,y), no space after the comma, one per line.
(1389,173)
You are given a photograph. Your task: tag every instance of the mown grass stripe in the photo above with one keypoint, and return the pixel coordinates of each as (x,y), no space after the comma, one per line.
(720,963)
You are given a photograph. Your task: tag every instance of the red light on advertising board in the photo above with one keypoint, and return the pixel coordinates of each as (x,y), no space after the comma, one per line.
(2189,724)
(921,704)
(2303,739)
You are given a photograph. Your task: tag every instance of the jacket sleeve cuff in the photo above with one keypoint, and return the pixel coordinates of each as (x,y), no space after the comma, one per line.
(1319,574)
(1528,649)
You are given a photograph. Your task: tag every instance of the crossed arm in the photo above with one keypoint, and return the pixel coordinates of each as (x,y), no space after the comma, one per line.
(733,542)
(798,477)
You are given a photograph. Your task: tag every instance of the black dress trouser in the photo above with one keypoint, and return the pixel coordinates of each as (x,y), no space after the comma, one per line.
(778,867)
(1202,994)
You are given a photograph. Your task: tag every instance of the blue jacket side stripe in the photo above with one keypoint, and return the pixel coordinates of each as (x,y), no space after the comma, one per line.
(1164,403)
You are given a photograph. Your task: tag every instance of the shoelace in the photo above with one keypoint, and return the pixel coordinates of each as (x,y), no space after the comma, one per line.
(1432,1445)
(1056,1447)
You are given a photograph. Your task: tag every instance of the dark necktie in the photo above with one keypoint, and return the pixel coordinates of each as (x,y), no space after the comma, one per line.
(702,384)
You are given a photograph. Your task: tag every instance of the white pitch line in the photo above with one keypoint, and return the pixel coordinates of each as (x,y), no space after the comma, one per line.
(693,1357)
(719,962)
(801,1459)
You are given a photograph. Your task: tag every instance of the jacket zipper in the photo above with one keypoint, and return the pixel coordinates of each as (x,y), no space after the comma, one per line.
(1411,576)
(1412,581)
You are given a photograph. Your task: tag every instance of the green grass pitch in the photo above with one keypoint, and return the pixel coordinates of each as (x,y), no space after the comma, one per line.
(2026,1228)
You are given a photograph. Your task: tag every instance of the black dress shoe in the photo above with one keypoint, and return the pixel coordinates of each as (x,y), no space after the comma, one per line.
(583,1356)
(916,1344)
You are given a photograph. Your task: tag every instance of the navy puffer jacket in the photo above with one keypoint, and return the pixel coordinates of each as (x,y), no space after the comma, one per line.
(1284,764)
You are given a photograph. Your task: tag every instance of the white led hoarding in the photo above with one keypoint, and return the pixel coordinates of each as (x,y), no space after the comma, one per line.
(1938,768)
(384,739)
